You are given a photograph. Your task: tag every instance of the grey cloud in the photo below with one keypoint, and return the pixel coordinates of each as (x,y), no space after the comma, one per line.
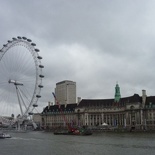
(94,43)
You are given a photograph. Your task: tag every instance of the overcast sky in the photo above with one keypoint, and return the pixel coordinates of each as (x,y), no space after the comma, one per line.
(95,43)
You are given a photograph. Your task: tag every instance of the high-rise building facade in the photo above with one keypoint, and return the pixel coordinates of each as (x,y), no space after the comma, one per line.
(65,92)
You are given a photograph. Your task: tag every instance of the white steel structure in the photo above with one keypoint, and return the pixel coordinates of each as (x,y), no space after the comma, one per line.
(65,92)
(20,78)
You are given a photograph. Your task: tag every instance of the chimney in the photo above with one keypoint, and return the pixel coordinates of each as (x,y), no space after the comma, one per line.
(78,100)
(49,104)
(143,97)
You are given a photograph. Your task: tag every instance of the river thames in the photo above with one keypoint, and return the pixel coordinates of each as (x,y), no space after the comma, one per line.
(42,143)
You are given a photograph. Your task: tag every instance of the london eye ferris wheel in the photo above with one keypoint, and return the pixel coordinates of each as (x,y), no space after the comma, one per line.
(20,77)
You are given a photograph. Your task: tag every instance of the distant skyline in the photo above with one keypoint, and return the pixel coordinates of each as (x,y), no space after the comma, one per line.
(94,43)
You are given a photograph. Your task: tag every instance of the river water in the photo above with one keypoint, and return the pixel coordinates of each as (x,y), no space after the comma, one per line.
(42,143)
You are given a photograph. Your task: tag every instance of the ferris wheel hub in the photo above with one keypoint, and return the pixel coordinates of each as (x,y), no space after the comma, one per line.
(15,82)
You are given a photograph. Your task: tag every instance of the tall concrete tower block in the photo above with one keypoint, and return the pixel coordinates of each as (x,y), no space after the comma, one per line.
(65,92)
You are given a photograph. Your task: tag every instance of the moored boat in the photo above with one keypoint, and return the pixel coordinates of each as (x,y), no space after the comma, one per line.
(4,135)
(74,131)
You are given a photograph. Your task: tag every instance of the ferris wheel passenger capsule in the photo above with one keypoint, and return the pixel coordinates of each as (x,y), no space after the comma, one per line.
(38,96)
(24,38)
(35,105)
(42,76)
(33,44)
(39,57)
(37,50)
(19,37)
(40,86)
(14,38)
(41,66)
(29,40)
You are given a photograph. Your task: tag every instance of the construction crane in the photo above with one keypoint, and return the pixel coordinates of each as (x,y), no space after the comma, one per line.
(71,129)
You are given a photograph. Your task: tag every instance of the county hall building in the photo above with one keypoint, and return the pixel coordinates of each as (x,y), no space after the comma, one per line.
(132,112)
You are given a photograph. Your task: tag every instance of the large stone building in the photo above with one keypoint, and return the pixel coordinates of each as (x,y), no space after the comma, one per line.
(133,112)
(65,92)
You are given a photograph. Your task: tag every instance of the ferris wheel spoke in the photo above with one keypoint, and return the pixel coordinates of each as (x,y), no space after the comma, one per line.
(25,65)
(25,96)
(4,68)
